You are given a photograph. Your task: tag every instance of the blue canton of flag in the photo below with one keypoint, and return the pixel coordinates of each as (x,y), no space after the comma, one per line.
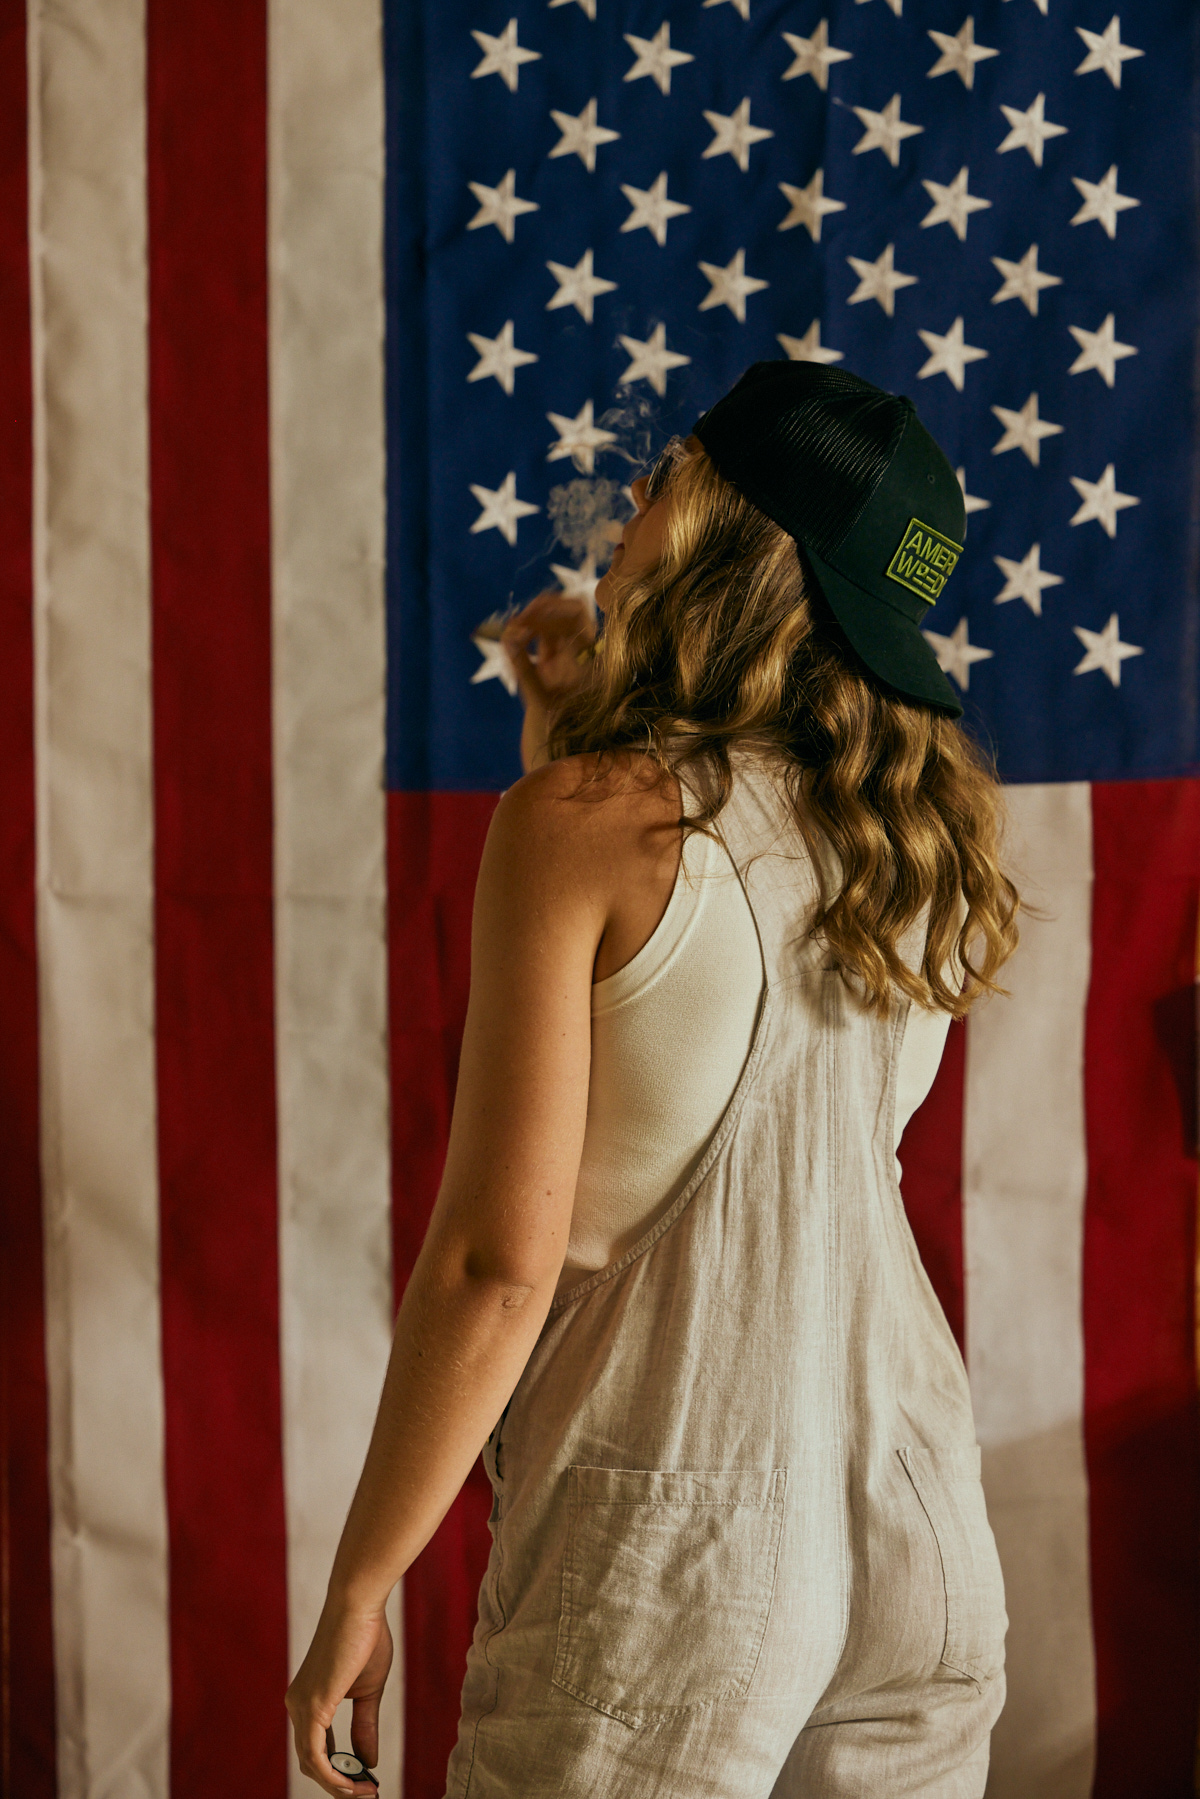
(600,211)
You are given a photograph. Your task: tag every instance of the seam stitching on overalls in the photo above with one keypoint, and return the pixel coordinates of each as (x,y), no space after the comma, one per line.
(737,1688)
(833,1301)
(497,1628)
(958,1667)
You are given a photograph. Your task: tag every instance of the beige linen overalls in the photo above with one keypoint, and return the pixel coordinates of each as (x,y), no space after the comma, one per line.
(740,1545)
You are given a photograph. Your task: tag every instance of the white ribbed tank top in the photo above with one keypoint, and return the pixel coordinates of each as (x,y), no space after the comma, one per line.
(670,1034)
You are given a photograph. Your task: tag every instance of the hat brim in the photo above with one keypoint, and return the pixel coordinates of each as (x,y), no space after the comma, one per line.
(891,645)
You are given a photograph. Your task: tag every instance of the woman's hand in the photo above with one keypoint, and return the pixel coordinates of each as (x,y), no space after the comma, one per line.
(565,629)
(349,1659)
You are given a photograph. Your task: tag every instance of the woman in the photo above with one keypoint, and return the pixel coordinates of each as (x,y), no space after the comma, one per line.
(740,1545)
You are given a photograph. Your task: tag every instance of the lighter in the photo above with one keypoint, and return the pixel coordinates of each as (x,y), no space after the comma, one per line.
(351,1765)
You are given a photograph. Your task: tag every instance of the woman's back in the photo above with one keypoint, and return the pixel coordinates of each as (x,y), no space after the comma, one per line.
(671,1031)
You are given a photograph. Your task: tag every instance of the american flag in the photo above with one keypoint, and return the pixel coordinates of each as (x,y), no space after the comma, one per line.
(328,332)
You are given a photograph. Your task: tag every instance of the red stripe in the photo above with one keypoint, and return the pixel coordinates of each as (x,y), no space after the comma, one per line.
(1143,1454)
(27,1729)
(210,547)
(434,844)
(931,1157)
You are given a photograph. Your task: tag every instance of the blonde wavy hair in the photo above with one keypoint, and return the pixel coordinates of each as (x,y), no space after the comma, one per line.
(725,643)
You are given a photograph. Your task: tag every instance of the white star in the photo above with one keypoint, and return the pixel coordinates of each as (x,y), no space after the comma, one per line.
(956,653)
(1106,51)
(655,57)
(1099,350)
(1029,130)
(952,205)
(579,438)
(896,5)
(734,135)
(885,131)
(878,280)
(813,55)
(1104,649)
(578,583)
(581,135)
(741,6)
(577,287)
(588,6)
(1025,580)
(503,56)
(809,205)
(1024,430)
(1102,202)
(499,206)
(960,53)
(1023,280)
(651,360)
(730,286)
(498,356)
(950,354)
(808,348)
(1042,6)
(652,209)
(501,508)
(971,502)
(1101,501)
(495,665)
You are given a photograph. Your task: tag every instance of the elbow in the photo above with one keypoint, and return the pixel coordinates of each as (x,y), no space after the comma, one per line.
(514,1280)
(512,1298)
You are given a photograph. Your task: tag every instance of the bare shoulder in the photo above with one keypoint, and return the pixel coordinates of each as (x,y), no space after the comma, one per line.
(582,805)
(596,843)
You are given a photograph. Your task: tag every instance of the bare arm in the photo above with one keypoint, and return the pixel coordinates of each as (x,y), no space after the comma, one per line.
(486,1275)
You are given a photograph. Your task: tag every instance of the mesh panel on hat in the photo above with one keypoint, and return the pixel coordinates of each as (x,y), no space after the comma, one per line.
(807,443)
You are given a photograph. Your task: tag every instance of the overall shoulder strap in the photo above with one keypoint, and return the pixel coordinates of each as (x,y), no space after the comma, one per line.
(767,847)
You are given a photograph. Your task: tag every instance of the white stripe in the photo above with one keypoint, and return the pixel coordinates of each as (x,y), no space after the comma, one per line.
(327,458)
(1024,1184)
(95,902)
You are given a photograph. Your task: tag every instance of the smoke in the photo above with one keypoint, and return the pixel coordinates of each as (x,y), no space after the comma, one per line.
(635,422)
(586,516)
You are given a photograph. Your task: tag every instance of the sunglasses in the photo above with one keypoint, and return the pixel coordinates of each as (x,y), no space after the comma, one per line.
(659,477)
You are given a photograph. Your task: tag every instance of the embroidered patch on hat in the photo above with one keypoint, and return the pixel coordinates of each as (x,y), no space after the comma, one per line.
(924,560)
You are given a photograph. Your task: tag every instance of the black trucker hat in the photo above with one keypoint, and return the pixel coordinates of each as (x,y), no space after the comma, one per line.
(852,474)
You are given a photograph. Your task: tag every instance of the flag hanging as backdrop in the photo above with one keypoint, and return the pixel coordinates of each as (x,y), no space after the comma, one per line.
(330,332)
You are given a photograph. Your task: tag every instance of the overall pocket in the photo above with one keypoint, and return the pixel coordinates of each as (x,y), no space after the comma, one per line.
(951,1492)
(667,1587)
